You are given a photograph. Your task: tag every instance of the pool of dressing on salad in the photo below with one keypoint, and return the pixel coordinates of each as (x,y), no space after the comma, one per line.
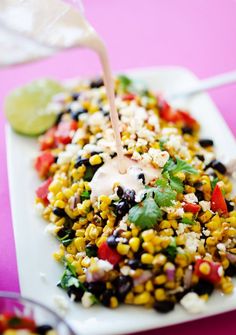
(53,25)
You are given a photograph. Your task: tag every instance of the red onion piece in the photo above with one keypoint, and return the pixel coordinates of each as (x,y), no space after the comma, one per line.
(170,274)
(188,277)
(231,257)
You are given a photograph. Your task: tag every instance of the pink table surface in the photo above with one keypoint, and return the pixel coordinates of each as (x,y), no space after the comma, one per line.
(197,34)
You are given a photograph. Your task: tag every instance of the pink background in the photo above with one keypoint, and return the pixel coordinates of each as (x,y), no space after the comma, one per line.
(197,34)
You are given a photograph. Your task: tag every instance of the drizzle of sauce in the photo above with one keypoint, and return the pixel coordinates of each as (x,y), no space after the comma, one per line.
(108,175)
(47,26)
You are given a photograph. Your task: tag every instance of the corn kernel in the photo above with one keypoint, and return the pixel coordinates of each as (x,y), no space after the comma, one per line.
(123,249)
(205,268)
(138,288)
(134,243)
(142,298)
(159,280)
(113,302)
(149,247)
(80,243)
(147,258)
(159,259)
(148,235)
(95,160)
(149,286)
(160,294)
(55,186)
(59,204)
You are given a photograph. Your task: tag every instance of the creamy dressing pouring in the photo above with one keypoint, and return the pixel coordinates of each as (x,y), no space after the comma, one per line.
(45,27)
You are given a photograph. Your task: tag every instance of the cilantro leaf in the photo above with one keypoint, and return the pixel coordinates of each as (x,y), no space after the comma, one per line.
(214,182)
(176,184)
(187,221)
(164,195)
(179,166)
(85,195)
(125,81)
(162,142)
(145,214)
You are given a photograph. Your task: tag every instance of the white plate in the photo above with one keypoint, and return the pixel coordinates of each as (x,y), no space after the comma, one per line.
(34,247)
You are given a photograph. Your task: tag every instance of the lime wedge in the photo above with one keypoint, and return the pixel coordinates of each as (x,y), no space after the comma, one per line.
(25,107)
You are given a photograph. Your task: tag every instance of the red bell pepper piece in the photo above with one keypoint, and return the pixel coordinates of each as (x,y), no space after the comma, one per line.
(215,273)
(11,321)
(193,208)
(108,254)
(63,133)
(42,190)
(129,97)
(218,203)
(173,115)
(47,141)
(43,163)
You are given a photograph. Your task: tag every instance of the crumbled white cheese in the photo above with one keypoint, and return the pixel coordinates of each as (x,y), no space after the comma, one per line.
(141,142)
(78,135)
(192,241)
(96,120)
(50,229)
(125,270)
(206,205)
(208,156)
(87,299)
(169,131)
(61,303)
(146,158)
(136,156)
(39,208)
(193,303)
(64,157)
(190,198)
(179,212)
(181,228)
(159,157)
(206,232)
(221,247)
(154,121)
(174,142)
(104,265)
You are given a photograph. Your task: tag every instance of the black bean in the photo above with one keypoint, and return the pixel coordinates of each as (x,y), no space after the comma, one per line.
(142,177)
(65,232)
(112,242)
(187,130)
(203,287)
(91,250)
(230,205)
(75,292)
(75,96)
(134,264)
(106,297)
(122,208)
(59,212)
(164,306)
(119,191)
(217,165)
(81,161)
(206,143)
(123,285)
(76,114)
(42,330)
(129,196)
(200,195)
(96,288)
(200,157)
(96,83)
(231,270)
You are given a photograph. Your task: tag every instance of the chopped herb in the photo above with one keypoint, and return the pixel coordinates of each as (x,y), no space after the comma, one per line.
(176,184)
(179,166)
(187,221)
(214,182)
(67,238)
(125,82)
(162,142)
(171,250)
(69,266)
(145,214)
(164,194)
(85,195)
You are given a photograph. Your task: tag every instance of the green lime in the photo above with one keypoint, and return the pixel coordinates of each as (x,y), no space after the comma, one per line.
(25,107)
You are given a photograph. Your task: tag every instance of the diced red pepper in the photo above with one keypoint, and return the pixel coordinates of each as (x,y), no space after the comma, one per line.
(193,208)
(47,141)
(43,163)
(174,115)
(11,321)
(108,254)
(129,97)
(42,191)
(215,271)
(218,203)
(63,133)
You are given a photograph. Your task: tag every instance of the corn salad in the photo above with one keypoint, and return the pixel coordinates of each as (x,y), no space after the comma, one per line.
(174,242)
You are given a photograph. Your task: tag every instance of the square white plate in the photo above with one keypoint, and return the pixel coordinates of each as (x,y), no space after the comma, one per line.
(34,246)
